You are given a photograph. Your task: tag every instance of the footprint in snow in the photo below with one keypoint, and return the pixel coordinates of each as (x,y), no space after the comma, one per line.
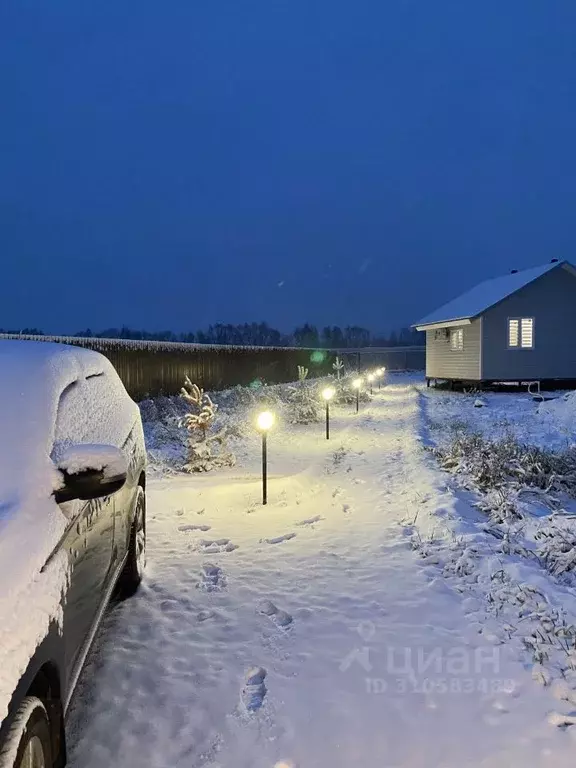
(194,528)
(311,520)
(254,689)
(212,579)
(180,512)
(278,617)
(215,546)
(346,509)
(278,539)
(205,615)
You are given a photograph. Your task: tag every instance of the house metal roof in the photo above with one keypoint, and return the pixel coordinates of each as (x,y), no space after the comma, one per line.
(485,295)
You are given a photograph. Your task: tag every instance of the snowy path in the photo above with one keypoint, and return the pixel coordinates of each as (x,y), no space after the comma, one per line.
(370,656)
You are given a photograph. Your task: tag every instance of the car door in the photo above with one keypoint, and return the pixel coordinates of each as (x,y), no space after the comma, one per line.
(117,427)
(89,536)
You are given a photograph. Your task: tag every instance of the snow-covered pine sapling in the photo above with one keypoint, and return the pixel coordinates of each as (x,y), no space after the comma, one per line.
(338,366)
(346,394)
(302,373)
(204,411)
(202,441)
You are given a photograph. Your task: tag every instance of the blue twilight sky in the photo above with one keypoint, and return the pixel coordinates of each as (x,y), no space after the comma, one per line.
(173,164)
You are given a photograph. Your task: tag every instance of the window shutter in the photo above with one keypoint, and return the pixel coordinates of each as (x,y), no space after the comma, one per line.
(527,332)
(521,332)
(457,339)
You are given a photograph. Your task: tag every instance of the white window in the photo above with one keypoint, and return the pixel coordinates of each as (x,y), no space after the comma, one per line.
(521,333)
(457,339)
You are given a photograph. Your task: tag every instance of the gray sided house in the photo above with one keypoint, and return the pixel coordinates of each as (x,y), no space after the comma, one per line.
(519,327)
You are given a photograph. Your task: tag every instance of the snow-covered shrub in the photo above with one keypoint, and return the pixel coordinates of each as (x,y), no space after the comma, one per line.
(557,551)
(494,463)
(303,402)
(345,392)
(166,441)
(206,447)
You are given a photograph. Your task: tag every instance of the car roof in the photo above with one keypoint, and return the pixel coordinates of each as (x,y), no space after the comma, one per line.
(33,375)
(61,362)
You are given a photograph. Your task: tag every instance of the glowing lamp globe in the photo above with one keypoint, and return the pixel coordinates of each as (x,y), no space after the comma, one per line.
(328,393)
(265,420)
(357,383)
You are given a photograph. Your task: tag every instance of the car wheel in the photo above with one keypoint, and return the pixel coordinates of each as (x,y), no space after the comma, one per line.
(134,568)
(28,742)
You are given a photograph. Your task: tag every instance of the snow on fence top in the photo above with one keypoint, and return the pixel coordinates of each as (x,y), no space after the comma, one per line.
(93,342)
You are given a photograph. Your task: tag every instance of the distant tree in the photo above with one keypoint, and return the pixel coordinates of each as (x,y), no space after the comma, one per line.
(356,336)
(23,332)
(306,336)
(332,337)
(259,334)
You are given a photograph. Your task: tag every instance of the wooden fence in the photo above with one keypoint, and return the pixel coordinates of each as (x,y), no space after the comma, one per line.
(150,368)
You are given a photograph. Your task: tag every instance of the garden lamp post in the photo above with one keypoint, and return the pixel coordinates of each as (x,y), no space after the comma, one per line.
(356,384)
(371,378)
(328,394)
(265,422)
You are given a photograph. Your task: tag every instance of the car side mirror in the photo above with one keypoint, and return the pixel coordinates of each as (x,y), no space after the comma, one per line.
(90,472)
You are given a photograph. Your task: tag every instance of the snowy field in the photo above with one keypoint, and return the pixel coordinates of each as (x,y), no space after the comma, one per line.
(366,616)
(550,424)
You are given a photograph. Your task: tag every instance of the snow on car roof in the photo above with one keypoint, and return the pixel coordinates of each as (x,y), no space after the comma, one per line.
(32,376)
(35,386)
(486,295)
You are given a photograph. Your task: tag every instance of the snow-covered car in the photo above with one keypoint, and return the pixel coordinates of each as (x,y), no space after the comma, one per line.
(72,531)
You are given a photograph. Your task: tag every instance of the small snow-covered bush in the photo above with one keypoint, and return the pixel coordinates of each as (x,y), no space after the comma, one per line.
(166,441)
(346,394)
(206,447)
(303,403)
(557,551)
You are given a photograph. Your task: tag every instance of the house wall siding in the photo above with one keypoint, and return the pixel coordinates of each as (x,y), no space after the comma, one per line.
(551,301)
(442,362)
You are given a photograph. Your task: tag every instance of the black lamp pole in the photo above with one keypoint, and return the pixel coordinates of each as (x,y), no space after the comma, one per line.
(357,399)
(264,467)
(327,419)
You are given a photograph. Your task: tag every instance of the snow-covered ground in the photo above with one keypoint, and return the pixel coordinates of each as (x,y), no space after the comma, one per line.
(550,424)
(349,622)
